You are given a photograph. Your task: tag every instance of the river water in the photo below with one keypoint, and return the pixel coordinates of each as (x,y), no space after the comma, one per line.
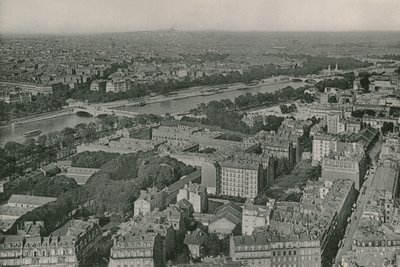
(169,106)
(184,105)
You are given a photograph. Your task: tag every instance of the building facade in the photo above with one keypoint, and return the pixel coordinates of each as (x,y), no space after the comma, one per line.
(116,86)
(352,167)
(322,146)
(256,216)
(335,124)
(149,200)
(196,194)
(68,246)
(144,250)
(274,251)
(241,178)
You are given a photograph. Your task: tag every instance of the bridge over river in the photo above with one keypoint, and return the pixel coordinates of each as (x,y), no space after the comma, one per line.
(305,79)
(96,111)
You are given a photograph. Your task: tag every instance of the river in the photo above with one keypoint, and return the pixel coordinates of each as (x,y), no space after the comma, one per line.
(169,106)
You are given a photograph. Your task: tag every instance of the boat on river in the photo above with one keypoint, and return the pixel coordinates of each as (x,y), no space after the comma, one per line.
(33,133)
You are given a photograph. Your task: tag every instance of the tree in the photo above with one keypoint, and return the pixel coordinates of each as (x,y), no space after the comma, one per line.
(14,149)
(364,80)
(293,108)
(7,164)
(215,246)
(284,109)
(332,99)
(86,132)
(41,141)
(89,159)
(29,142)
(387,127)
(273,123)
(108,122)
(314,173)
(125,122)
(4,111)
(360,113)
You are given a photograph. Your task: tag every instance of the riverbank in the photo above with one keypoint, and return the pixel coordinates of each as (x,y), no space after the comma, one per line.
(55,121)
(178,95)
(195,92)
(41,116)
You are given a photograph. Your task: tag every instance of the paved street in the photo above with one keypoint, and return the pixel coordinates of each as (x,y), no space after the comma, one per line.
(356,215)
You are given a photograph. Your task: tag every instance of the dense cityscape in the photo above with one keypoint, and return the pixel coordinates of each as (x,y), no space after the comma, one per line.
(200,148)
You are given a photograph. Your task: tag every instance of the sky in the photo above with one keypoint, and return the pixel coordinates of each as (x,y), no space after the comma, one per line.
(87,16)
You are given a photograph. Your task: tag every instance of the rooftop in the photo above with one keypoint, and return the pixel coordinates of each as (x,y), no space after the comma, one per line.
(386,176)
(268,238)
(240,164)
(191,177)
(136,240)
(371,230)
(197,237)
(230,211)
(31,200)
(74,228)
(195,188)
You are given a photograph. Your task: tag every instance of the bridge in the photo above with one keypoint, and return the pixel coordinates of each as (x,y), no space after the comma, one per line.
(305,79)
(96,111)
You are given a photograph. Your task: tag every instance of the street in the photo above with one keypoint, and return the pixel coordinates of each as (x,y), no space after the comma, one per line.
(356,215)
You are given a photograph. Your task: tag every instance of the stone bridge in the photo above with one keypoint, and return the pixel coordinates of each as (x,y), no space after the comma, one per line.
(99,111)
(305,79)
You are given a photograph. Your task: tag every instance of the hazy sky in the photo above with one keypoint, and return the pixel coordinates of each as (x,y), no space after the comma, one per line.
(78,16)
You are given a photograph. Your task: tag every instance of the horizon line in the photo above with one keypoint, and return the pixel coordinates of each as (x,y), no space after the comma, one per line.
(199,31)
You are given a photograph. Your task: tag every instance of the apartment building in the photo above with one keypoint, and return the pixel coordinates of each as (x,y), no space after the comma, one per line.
(335,124)
(178,133)
(351,166)
(68,246)
(376,240)
(242,178)
(139,250)
(322,146)
(256,216)
(149,200)
(196,194)
(273,250)
(98,85)
(118,85)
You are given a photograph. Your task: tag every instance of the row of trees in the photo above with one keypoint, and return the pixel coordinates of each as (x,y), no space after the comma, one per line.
(113,189)
(288,108)
(312,65)
(33,153)
(16,158)
(346,82)
(249,100)
(39,185)
(225,113)
(39,104)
